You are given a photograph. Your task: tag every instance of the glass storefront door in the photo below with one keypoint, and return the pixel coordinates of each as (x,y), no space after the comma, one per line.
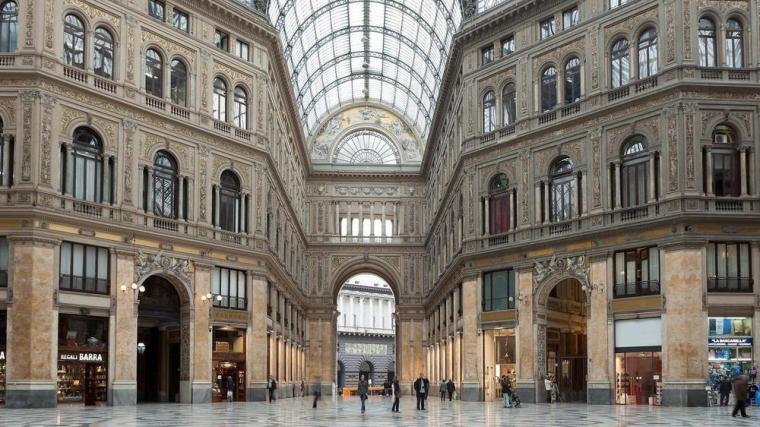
(638,378)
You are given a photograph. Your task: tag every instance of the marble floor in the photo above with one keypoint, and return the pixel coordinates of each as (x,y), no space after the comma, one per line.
(337,412)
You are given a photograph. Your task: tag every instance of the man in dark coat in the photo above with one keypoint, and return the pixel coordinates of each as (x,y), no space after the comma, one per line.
(450,387)
(725,390)
(272,387)
(740,394)
(421,388)
(396,394)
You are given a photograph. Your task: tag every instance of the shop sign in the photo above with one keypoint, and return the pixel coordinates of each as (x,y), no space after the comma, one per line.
(81,357)
(2,355)
(729,342)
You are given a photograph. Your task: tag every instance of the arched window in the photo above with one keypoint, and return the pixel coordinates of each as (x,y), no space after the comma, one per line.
(178,85)
(498,205)
(103,53)
(549,89)
(8,22)
(165,177)
(634,172)
(707,54)
(240,108)
(572,80)
(220,100)
(648,53)
(726,176)
(229,202)
(154,77)
(734,44)
(561,187)
(489,112)
(509,111)
(73,41)
(87,165)
(620,63)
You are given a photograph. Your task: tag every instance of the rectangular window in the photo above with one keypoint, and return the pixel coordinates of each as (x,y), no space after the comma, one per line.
(617,3)
(499,290)
(222,40)
(157,9)
(570,18)
(4,252)
(84,268)
(637,272)
(548,28)
(242,50)
(728,267)
(507,45)
(230,285)
(180,20)
(486,54)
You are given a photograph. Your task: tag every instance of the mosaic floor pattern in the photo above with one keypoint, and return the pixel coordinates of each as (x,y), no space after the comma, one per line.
(339,412)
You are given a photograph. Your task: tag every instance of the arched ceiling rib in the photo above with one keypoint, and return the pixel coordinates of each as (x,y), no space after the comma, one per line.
(352,51)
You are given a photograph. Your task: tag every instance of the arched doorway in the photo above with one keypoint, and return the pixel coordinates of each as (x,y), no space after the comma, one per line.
(366,329)
(565,310)
(160,364)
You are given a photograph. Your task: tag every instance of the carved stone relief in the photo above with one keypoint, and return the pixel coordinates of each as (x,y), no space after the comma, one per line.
(596,176)
(672,133)
(130,129)
(94,13)
(168,46)
(48,103)
(202,181)
(573,265)
(670,44)
(691,181)
(27,107)
(8,107)
(29,23)
(145,264)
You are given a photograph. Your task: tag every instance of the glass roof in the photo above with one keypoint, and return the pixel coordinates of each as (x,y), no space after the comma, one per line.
(366,147)
(347,51)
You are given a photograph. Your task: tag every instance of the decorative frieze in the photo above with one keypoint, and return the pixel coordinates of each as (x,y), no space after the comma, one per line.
(146,264)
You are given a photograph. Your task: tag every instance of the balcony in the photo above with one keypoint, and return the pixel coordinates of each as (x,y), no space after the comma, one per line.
(182,113)
(570,109)
(7,60)
(104,84)
(637,289)
(222,126)
(633,213)
(730,284)
(723,73)
(646,84)
(75,74)
(618,93)
(156,103)
(547,117)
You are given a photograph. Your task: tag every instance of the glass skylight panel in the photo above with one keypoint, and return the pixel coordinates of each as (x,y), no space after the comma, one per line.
(408,42)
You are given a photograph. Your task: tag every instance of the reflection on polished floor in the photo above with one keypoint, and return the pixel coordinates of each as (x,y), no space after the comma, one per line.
(345,412)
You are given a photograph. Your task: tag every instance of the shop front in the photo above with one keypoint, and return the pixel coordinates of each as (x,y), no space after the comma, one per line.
(638,361)
(729,347)
(228,363)
(500,360)
(82,360)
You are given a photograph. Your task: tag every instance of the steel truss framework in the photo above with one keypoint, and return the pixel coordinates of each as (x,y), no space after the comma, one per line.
(353,51)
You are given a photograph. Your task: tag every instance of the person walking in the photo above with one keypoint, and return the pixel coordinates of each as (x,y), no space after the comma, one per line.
(506,391)
(396,394)
(230,388)
(302,389)
(363,390)
(740,395)
(317,392)
(548,387)
(724,389)
(753,374)
(450,387)
(272,387)
(442,390)
(421,389)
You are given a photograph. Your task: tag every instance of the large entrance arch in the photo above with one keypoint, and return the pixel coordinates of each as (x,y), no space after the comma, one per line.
(163,338)
(562,311)
(365,330)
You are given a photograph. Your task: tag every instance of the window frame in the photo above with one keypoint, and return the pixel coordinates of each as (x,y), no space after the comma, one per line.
(508,41)
(509,104)
(240,43)
(638,287)
(487,302)
(73,36)
(706,41)
(222,40)
(549,89)
(178,25)
(574,14)
(574,85)
(70,276)
(175,89)
(217,289)
(219,100)
(240,109)
(8,27)
(487,55)
(169,178)
(721,283)
(101,49)
(561,187)
(489,111)
(620,59)
(734,44)
(4,260)
(154,82)
(547,27)
(154,6)
(230,198)
(90,157)
(647,49)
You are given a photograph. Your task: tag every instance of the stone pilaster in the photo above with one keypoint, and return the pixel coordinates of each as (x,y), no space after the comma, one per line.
(321,344)
(256,340)
(472,345)
(410,354)
(525,340)
(201,333)
(32,324)
(684,352)
(599,385)
(123,348)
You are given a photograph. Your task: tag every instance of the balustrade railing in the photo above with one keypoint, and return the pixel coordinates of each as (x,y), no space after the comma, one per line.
(75,74)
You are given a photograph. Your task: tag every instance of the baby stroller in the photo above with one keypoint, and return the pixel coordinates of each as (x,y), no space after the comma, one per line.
(515,400)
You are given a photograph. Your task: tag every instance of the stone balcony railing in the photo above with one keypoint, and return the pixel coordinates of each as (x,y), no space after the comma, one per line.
(366,240)
(596,102)
(696,206)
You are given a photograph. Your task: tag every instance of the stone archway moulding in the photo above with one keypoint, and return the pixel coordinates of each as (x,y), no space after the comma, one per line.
(175,270)
(365,264)
(546,275)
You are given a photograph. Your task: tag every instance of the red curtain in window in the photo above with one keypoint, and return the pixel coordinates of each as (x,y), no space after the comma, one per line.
(499,214)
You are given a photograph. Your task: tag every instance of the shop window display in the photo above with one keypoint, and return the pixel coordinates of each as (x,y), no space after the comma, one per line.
(228,363)
(638,378)
(82,359)
(729,344)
